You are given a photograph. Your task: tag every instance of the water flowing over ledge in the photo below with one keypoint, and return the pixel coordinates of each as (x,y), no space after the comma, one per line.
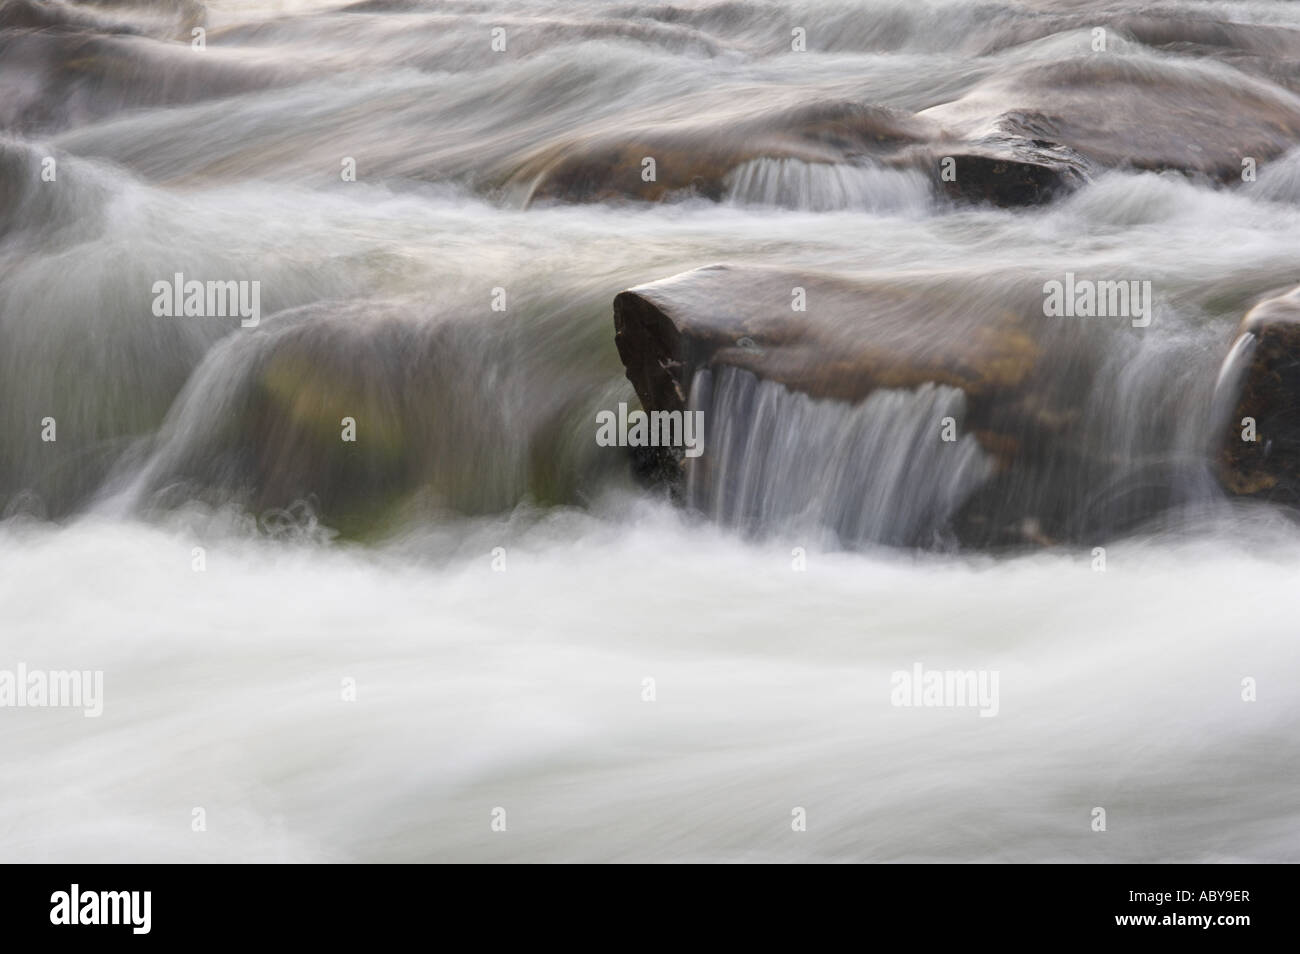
(872,473)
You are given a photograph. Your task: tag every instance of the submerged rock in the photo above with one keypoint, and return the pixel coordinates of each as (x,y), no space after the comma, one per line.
(369,410)
(62,66)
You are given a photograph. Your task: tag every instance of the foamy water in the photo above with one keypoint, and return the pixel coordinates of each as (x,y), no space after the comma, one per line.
(523,689)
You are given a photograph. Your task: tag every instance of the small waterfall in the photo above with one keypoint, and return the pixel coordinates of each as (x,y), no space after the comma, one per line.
(1227,386)
(826,187)
(875,472)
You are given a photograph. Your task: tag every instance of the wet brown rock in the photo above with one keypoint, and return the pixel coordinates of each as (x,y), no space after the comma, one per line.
(854,337)
(1265,365)
(1121,112)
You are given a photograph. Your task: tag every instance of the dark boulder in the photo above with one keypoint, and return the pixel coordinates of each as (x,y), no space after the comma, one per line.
(1263,369)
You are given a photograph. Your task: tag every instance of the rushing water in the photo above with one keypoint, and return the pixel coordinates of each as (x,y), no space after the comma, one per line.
(500,618)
